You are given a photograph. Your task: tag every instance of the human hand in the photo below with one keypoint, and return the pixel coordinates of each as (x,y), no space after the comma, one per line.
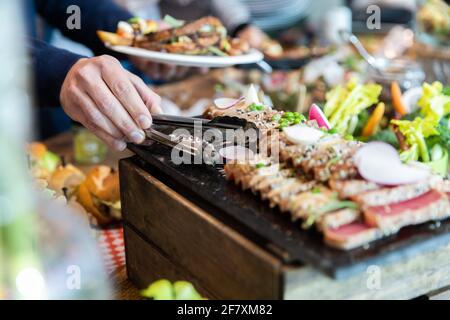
(113,103)
(253,35)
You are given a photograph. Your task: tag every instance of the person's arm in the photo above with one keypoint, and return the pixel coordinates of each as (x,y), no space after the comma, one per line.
(236,18)
(97,92)
(94,15)
(233,13)
(50,67)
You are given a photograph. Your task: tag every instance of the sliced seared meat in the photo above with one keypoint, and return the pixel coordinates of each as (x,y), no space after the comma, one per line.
(386,196)
(259,175)
(338,218)
(351,235)
(269,181)
(304,204)
(291,187)
(433,205)
(350,188)
(186,30)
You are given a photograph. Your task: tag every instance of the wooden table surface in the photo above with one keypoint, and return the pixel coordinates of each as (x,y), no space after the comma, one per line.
(122,288)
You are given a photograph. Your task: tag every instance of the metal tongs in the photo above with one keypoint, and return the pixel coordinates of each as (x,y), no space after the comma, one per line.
(187,122)
(188,143)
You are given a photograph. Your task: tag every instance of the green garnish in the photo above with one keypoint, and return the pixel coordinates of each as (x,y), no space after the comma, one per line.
(289,118)
(446,91)
(316,190)
(217,52)
(349,137)
(276,117)
(219,87)
(333,161)
(336,205)
(174,23)
(256,107)
(332,131)
(133,20)
(260,165)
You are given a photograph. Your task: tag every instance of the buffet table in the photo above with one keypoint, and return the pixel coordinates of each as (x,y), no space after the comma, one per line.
(245,267)
(169,236)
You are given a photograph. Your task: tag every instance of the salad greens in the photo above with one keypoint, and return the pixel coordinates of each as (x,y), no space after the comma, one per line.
(171,21)
(416,132)
(345,103)
(288,119)
(428,134)
(434,100)
(385,135)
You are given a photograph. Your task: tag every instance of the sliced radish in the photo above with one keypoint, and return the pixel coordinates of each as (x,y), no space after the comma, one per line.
(410,98)
(379,162)
(301,134)
(237,153)
(226,103)
(315,113)
(252,96)
(379,152)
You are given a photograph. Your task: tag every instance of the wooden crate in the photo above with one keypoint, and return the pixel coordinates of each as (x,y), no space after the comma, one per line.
(168,236)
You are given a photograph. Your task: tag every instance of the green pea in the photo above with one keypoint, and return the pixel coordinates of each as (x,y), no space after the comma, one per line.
(276,118)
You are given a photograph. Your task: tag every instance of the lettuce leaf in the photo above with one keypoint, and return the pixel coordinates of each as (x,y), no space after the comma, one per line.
(433,100)
(416,132)
(359,98)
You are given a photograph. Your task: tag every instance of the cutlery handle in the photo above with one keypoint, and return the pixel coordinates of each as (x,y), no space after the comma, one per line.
(177,121)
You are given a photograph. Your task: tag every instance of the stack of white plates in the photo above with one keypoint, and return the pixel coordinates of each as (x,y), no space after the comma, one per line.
(276,14)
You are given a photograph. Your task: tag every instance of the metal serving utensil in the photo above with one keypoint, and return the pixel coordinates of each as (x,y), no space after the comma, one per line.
(188,143)
(373,62)
(407,72)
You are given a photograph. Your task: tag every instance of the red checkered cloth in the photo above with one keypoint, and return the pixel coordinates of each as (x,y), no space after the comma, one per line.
(112,249)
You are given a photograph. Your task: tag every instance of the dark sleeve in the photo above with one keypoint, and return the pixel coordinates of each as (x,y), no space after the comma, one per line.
(94,15)
(50,67)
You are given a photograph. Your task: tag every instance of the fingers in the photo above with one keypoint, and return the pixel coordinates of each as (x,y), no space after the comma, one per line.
(116,144)
(151,100)
(108,104)
(94,117)
(119,83)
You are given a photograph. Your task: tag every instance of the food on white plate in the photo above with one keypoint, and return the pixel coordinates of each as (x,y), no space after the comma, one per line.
(205,36)
(354,193)
(99,194)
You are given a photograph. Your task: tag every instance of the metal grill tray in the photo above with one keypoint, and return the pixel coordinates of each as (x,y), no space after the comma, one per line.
(206,187)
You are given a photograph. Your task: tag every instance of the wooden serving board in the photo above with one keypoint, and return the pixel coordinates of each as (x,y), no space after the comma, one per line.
(207,188)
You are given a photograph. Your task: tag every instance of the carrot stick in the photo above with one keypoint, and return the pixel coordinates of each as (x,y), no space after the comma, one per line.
(397,100)
(374,121)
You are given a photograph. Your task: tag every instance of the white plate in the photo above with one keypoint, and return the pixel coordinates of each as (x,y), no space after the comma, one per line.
(252,56)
